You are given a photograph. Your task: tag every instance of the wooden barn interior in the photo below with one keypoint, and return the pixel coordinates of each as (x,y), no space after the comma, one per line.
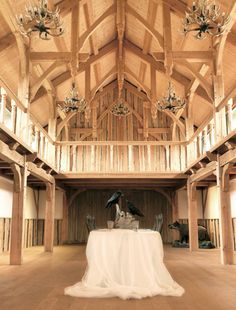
(58,166)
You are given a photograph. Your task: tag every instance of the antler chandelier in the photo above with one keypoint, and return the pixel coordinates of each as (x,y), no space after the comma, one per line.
(74,103)
(205,18)
(120,108)
(170,102)
(40,19)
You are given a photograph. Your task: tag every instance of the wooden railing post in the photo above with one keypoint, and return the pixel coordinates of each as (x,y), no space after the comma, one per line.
(3,104)
(41,144)
(37,133)
(230,115)
(49,217)
(13,116)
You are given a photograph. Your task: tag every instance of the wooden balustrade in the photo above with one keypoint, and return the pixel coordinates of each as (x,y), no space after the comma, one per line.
(133,156)
(14,116)
(139,156)
(206,138)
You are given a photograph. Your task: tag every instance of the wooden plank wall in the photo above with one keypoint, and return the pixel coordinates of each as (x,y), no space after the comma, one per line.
(33,233)
(93,202)
(113,128)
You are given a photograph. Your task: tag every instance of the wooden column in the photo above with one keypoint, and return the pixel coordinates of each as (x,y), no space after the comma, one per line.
(175,213)
(49,217)
(64,232)
(226,229)
(192,216)
(17,224)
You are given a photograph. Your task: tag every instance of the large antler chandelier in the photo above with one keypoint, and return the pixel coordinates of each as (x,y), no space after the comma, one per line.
(38,18)
(120,108)
(170,102)
(73,103)
(205,18)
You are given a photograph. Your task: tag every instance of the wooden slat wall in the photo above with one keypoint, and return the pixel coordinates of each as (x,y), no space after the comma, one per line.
(33,233)
(93,202)
(114,128)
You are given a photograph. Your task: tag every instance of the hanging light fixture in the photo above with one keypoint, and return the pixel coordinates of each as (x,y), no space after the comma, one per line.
(205,18)
(170,102)
(120,109)
(38,18)
(73,103)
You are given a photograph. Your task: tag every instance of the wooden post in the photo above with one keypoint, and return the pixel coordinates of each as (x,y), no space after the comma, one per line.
(175,213)
(49,217)
(64,231)
(189,132)
(230,115)
(13,116)
(226,230)
(17,224)
(37,135)
(192,216)
(3,104)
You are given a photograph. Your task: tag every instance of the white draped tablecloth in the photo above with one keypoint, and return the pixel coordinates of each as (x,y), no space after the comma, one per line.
(127,264)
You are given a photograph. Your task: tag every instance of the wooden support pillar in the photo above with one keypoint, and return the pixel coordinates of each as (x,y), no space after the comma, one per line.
(226,229)
(49,217)
(64,232)
(192,216)
(17,224)
(175,213)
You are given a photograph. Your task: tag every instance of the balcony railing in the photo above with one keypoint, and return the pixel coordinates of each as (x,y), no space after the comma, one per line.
(15,120)
(206,139)
(128,156)
(110,156)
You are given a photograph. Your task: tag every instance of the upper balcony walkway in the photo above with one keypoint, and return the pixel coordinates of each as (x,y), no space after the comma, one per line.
(109,157)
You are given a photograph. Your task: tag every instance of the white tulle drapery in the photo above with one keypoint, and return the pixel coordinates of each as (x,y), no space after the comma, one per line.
(127,264)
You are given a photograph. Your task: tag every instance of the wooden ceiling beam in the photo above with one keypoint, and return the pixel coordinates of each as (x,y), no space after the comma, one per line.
(58,56)
(167,39)
(106,50)
(88,14)
(191,56)
(120,25)
(74,39)
(151,17)
(85,36)
(155,34)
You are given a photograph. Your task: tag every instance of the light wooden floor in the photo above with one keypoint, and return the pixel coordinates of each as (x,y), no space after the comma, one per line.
(38,284)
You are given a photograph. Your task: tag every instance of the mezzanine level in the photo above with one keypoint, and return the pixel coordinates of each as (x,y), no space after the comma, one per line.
(114,156)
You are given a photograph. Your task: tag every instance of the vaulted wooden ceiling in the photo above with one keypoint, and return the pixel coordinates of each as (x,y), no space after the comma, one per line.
(113,43)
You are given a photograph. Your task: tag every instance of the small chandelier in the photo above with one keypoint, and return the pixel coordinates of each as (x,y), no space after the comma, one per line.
(73,103)
(120,108)
(40,19)
(205,18)
(170,102)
